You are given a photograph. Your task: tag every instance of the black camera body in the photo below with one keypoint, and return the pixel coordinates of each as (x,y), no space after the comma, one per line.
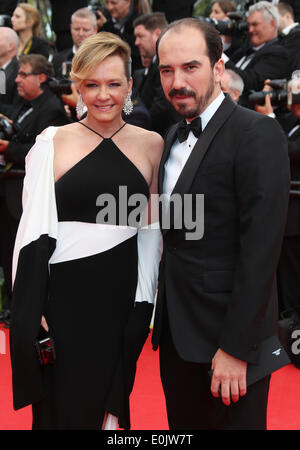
(234,25)
(279,95)
(95,5)
(62,85)
(7,130)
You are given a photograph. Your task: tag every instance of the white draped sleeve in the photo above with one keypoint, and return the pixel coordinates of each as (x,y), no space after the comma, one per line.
(34,245)
(39,215)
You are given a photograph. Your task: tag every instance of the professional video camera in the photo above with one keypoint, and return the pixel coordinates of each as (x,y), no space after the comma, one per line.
(234,24)
(282,94)
(95,5)
(7,130)
(61,86)
(5,20)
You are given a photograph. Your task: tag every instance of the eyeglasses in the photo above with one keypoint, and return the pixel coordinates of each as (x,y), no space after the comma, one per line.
(26,74)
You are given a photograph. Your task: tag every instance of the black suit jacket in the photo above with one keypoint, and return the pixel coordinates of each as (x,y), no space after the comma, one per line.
(11,72)
(60,57)
(47,111)
(149,90)
(220,291)
(291,42)
(293,219)
(174,10)
(271,61)
(126,33)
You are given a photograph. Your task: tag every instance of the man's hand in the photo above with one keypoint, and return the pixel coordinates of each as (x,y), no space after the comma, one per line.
(71,99)
(101,19)
(267,108)
(3,145)
(229,377)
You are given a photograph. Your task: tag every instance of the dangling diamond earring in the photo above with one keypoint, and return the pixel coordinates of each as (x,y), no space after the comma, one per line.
(80,107)
(128,105)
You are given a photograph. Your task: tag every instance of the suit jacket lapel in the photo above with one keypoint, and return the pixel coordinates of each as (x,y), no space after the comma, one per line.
(194,161)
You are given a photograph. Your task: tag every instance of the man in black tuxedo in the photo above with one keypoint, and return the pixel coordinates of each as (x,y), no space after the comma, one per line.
(34,110)
(9,63)
(265,58)
(227,182)
(146,82)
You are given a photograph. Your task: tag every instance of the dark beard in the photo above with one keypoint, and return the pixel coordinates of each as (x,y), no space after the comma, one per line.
(201,104)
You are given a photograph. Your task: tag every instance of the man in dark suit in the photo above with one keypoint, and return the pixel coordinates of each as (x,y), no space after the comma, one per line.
(265,58)
(36,109)
(289,33)
(83,24)
(8,63)
(146,82)
(228,194)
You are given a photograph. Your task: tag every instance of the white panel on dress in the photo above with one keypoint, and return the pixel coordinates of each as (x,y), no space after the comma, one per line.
(81,239)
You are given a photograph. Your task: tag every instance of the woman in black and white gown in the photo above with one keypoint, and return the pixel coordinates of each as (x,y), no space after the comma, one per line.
(87,252)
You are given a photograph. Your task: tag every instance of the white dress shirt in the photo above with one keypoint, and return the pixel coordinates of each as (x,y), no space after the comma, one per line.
(180,152)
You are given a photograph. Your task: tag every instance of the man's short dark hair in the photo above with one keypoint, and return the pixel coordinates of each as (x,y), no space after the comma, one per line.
(211,36)
(38,63)
(284,8)
(152,21)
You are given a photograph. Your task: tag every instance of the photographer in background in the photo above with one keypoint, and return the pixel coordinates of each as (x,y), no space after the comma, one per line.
(265,58)
(9,42)
(36,109)
(219,11)
(288,272)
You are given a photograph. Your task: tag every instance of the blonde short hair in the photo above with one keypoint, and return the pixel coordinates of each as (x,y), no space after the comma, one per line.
(94,50)
(32,13)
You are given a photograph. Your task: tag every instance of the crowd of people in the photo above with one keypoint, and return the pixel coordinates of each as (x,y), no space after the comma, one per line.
(144,62)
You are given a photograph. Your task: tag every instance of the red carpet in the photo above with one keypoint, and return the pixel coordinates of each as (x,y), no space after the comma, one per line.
(147,402)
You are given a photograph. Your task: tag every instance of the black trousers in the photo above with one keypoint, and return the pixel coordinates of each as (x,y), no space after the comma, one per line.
(190,404)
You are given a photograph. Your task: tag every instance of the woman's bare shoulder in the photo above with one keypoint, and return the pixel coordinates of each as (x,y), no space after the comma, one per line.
(149,141)
(66,136)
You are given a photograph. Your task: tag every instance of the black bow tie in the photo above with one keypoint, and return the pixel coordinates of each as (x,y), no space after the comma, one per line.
(184,128)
